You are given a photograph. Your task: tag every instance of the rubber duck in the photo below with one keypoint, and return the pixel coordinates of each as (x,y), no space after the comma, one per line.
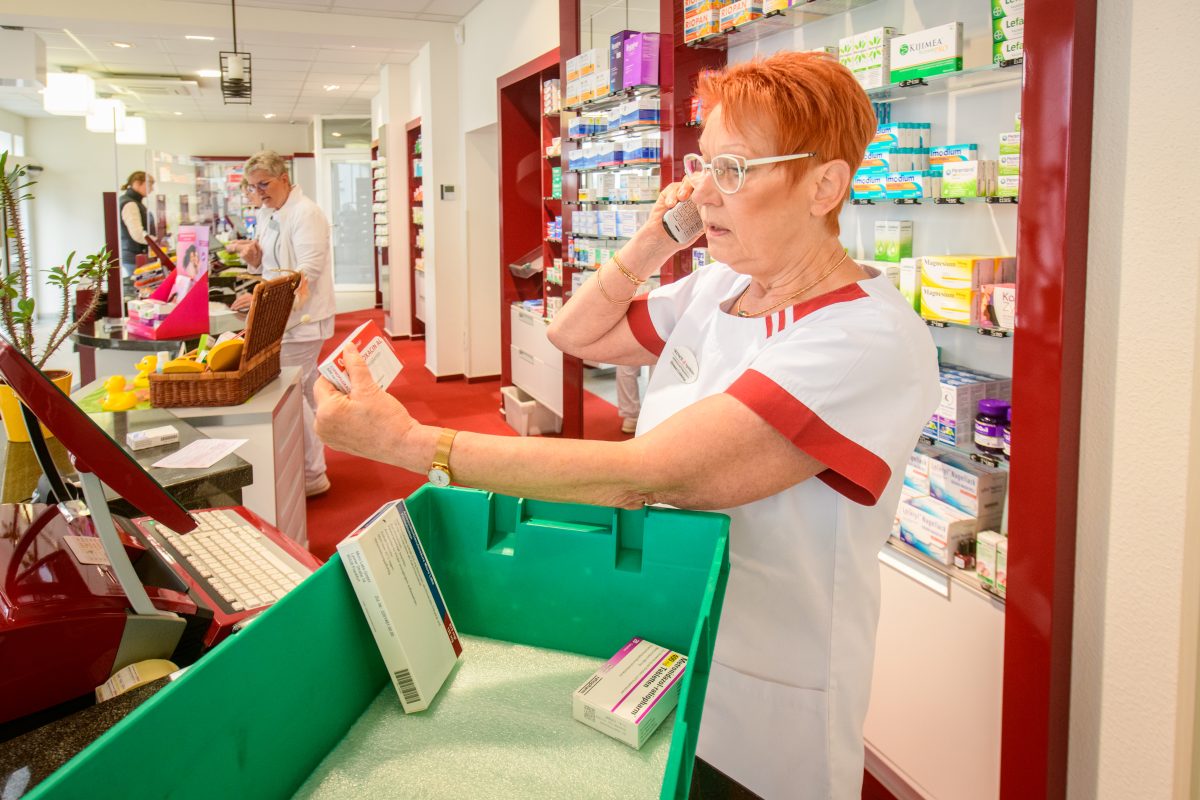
(117,398)
(144,367)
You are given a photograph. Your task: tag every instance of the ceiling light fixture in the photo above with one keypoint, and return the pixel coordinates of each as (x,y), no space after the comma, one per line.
(107,115)
(336,134)
(122,45)
(209,73)
(178,113)
(235,69)
(329,87)
(268,116)
(68,94)
(201,38)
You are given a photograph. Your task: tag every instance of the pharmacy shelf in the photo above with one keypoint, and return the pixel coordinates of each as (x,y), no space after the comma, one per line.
(617,133)
(593,238)
(769,24)
(621,168)
(982,78)
(610,100)
(990,333)
(977,457)
(936,201)
(611,202)
(931,574)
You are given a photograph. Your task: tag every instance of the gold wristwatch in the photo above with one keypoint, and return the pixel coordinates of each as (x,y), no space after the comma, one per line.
(439,471)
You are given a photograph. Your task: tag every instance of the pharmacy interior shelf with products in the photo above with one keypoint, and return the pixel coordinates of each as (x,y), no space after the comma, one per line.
(379,213)
(950,134)
(416,223)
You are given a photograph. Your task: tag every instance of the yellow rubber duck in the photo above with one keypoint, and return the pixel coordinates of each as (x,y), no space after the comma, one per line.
(117,398)
(144,367)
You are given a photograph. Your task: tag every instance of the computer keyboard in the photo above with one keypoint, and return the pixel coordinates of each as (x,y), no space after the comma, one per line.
(235,562)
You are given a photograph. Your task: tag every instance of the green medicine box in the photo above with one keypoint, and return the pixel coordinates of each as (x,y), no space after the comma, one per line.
(556,182)
(253,718)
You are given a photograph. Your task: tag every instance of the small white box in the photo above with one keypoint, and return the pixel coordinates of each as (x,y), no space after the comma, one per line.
(629,696)
(376,349)
(985,558)
(402,603)
(151,437)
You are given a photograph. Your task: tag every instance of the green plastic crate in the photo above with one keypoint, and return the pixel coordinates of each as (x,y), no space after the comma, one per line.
(254,717)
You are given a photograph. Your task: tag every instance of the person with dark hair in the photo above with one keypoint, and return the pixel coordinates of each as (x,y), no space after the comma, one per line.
(134,220)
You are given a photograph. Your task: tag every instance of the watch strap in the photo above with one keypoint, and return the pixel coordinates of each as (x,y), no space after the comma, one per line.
(441,454)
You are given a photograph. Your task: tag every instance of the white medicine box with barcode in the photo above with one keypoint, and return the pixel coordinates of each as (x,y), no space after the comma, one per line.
(402,602)
(630,696)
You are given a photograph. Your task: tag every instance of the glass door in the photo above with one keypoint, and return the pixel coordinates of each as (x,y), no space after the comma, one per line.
(350,222)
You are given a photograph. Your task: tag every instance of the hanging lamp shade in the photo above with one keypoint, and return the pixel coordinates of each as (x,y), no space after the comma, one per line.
(107,115)
(134,131)
(68,94)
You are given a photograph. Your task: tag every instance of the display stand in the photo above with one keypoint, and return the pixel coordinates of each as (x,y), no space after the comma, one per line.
(189,318)
(379,213)
(416,236)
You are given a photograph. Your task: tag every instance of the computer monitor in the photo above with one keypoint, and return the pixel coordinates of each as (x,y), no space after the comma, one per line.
(97,458)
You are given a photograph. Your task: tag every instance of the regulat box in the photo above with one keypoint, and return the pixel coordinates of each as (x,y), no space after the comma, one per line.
(375,348)
(402,603)
(630,695)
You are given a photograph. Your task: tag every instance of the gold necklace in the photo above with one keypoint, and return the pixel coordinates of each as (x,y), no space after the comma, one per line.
(738,308)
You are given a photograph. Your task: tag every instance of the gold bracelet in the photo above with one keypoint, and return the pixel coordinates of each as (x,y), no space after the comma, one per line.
(634,279)
(603,291)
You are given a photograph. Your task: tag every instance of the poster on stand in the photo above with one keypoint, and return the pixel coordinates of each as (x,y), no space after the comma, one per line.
(192,251)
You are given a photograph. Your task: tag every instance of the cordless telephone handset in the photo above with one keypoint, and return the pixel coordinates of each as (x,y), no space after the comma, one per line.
(683,222)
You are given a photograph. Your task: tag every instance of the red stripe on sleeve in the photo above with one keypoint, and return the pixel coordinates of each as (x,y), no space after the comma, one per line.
(853,470)
(642,326)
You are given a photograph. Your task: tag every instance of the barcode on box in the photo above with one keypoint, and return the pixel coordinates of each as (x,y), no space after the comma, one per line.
(408,689)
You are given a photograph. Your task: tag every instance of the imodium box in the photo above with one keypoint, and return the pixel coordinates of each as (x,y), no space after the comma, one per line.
(403,604)
(375,348)
(629,696)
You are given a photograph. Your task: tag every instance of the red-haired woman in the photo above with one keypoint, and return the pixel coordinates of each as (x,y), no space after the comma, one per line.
(791,386)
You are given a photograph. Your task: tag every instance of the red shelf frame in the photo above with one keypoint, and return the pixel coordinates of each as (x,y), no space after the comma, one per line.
(412,132)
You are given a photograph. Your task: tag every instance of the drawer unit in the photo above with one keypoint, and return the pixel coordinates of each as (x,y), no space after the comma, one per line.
(542,380)
(529,334)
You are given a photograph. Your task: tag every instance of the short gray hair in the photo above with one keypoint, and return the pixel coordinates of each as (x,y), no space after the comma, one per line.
(267,160)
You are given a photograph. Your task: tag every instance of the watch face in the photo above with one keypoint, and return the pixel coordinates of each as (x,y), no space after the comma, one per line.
(439,476)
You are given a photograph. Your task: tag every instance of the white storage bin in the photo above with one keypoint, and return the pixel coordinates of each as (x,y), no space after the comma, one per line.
(527,416)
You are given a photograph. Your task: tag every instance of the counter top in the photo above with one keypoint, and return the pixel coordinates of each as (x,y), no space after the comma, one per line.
(119,339)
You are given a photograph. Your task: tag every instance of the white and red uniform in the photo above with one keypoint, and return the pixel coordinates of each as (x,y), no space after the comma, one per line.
(851,378)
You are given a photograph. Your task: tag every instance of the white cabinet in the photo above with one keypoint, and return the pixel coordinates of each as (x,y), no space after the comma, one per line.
(537,365)
(419,294)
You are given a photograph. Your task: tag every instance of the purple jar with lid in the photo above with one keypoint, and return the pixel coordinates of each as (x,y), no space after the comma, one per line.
(989,426)
(1008,434)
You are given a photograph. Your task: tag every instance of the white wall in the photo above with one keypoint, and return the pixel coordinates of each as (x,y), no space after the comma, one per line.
(1135,611)
(498,39)
(11,123)
(80,166)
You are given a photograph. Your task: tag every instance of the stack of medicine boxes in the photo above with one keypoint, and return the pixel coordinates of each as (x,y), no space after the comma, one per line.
(896,165)
(950,285)
(701,18)
(1008,30)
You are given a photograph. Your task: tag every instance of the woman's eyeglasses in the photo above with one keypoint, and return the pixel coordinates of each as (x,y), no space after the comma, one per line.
(262,186)
(729,171)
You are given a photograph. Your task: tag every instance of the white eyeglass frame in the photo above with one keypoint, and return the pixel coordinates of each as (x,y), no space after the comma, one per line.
(743,163)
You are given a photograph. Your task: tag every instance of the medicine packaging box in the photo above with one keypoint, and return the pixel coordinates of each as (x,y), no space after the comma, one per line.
(910,282)
(910,185)
(771,6)
(1008,186)
(946,305)
(906,493)
(1002,567)
(893,240)
(1008,28)
(702,6)
(985,558)
(935,528)
(402,602)
(1008,50)
(916,471)
(630,696)
(934,51)
(616,60)
(376,350)
(640,67)
(965,179)
(1007,8)
(974,489)
(739,12)
(953,153)
(701,24)
(869,185)
(868,56)
(1010,143)
(964,272)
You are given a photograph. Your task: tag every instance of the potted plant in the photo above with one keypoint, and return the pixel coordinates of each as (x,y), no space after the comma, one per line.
(18,304)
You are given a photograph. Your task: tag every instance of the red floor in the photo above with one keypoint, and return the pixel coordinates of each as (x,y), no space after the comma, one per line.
(359,487)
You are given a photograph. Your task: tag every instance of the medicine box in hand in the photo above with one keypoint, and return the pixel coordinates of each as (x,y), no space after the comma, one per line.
(376,349)
(629,696)
(402,603)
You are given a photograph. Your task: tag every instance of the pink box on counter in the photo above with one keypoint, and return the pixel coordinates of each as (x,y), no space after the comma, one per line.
(641,60)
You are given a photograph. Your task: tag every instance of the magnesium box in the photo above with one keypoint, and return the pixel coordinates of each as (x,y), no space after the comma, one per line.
(985,558)
(934,528)
(966,272)
(893,240)
(402,603)
(934,51)
(640,66)
(953,306)
(630,695)
(868,56)
(376,349)
(973,489)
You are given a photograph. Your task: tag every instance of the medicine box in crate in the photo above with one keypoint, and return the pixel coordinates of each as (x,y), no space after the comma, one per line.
(257,715)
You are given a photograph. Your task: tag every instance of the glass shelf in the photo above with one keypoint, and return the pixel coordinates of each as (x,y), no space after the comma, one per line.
(611,202)
(935,576)
(977,457)
(621,168)
(608,101)
(593,238)
(777,21)
(617,133)
(987,333)
(988,76)
(936,201)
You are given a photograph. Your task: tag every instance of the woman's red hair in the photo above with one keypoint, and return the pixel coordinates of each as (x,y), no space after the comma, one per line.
(802,102)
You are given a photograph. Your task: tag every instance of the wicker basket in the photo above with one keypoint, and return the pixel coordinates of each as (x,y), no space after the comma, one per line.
(260,356)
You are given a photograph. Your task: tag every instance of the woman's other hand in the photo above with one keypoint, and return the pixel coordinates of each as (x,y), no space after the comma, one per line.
(368,422)
(242,302)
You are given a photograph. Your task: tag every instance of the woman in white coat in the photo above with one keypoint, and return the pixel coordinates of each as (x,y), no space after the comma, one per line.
(791,386)
(295,237)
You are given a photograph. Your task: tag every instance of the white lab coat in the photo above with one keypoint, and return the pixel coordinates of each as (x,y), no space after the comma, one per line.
(296,237)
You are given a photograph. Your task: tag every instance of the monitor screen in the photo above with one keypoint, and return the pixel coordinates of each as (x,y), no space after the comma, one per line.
(94,451)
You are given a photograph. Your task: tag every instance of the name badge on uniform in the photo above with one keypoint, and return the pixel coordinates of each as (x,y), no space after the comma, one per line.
(683,361)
